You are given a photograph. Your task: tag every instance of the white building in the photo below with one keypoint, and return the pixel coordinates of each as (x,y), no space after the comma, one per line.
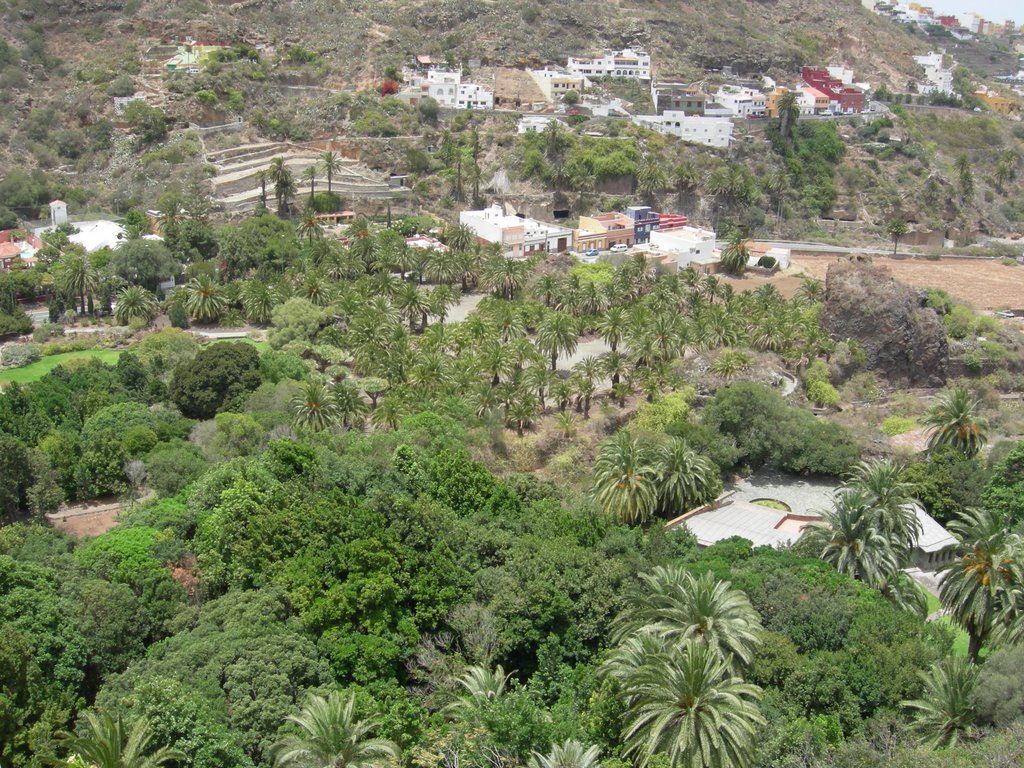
(741,102)
(709,131)
(624,63)
(447,89)
(688,245)
(58,213)
(473,96)
(555,83)
(519,236)
(536,123)
(937,78)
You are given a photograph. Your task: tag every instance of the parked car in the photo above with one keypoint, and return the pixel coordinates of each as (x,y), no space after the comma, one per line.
(619,248)
(593,253)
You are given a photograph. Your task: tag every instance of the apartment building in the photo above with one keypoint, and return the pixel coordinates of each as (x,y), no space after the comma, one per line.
(519,236)
(603,231)
(624,63)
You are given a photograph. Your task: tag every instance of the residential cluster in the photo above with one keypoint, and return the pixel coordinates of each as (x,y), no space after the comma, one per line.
(666,239)
(960,25)
(446,86)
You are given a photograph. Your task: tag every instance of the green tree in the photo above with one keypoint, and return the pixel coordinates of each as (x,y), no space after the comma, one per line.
(76,276)
(690,706)
(310,226)
(134,302)
(896,229)
(315,407)
(330,735)
(203,299)
(218,378)
(735,255)
(686,479)
(568,754)
(945,711)
(557,335)
(109,744)
(626,479)
(953,420)
(330,162)
(651,179)
(788,108)
(144,262)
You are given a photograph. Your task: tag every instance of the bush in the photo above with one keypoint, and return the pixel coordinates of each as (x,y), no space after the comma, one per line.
(217,379)
(816,372)
(178,316)
(664,410)
(47,331)
(17,355)
(898,425)
(768,262)
(823,394)
(959,322)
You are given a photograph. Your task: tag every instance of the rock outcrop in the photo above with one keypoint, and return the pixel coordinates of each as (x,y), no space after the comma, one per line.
(903,338)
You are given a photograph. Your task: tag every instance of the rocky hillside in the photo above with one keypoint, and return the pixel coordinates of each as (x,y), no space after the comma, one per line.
(359,39)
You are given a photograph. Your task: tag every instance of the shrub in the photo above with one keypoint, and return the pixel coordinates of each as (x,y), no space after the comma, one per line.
(17,355)
(178,317)
(959,322)
(816,372)
(70,345)
(822,393)
(664,410)
(897,425)
(768,262)
(47,331)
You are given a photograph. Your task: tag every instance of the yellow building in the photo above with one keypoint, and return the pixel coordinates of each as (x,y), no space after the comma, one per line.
(998,104)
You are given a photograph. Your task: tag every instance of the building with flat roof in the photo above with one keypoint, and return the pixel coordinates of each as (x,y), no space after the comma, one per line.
(624,63)
(687,98)
(518,236)
(602,231)
(555,83)
(688,245)
(761,526)
(709,131)
(645,221)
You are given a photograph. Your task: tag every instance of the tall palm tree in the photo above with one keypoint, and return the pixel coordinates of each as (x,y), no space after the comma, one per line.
(965,176)
(109,744)
(309,226)
(284,183)
(954,420)
(612,327)
(413,305)
(789,110)
(134,302)
(979,585)
(350,405)
(331,164)
(896,229)
(677,606)
(849,539)
(626,479)
(651,179)
(309,174)
(689,706)
(389,413)
(946,710)
(314,406)
(891,497)
(505,277)
(568,754)
(261,178)
(330,735)
(685,478)
(76,276)
(203,299)
(557,335)
(459,237)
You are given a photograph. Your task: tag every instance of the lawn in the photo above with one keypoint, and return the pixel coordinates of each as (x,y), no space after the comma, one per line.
(38,369)
(960,643)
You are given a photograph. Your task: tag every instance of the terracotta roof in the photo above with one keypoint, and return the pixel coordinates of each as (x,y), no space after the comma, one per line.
(57,202)
(7,250)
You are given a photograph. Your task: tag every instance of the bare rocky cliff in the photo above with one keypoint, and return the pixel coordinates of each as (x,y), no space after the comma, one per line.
(904,340)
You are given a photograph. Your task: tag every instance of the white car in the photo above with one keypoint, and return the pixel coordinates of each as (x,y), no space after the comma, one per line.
(619,248)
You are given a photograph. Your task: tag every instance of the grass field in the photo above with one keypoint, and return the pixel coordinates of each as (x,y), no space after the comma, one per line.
(961,641)
(38,369)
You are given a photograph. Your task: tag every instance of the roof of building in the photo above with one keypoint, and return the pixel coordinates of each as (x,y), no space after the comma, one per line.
(933,536)
(426,242)
(57,202)
(9,250)
(762,526)
(93,235)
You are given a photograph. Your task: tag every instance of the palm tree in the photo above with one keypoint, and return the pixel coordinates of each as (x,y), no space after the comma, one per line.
(505,277)
(896,229)
(849,539)
(203,299)
(350,405)
(441,299)
(309,174)
(261,179)
(259,300)
(389,413)
(134,302)
(677,606)
(309,226)
(109,744)
(568,754)
(284,183)
(954,421)
(331,164)
(314,406)
(946,709)
(522,411)
(891,498)
(651,179)
(686,478)
(689,706)
(557,335)
(962,166)
(481,686)
(76,276)
(330,735)
(789,110)
(626,479)
(459,237)
(735,255)
(979,585)
(729,363)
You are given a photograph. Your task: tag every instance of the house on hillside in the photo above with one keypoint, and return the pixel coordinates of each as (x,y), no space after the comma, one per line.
(518,236)
(709,131)
(843,99)
(687,98)
(645,221)
(624,63)
(555,83)
(602,231)
(938,78)
(688,246)
(741,102)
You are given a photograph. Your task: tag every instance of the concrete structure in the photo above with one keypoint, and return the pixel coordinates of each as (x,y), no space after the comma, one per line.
(554,83)
(762,526)
(937,77)
(710,131)
(603,231)
(998,104)
(645,221)
(446,88)
(518,236)
(536,123)
(426,243)
(58,213)
(741,102)
(843,99)
(624,63)
(759,250)
(687,98)
(689,245)
(473,96)
(812,101)
(935,545)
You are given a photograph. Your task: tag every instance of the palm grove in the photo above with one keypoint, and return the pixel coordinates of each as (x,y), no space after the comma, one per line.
(329,575)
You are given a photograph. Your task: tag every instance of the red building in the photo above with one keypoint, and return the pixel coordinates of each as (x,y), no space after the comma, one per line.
(843,99)
(669,221)
(950,22)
